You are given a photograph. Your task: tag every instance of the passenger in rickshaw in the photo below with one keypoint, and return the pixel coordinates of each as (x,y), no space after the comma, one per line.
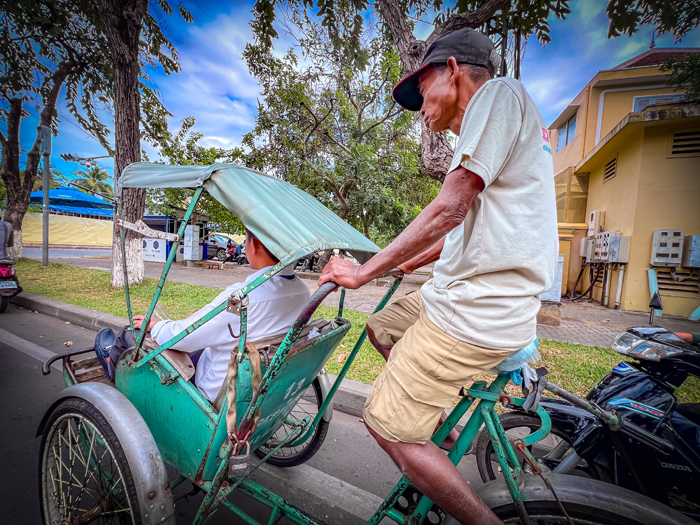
(493,232)
(273,308)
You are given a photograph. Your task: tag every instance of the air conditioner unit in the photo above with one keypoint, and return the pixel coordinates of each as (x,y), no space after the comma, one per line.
(667,247)
(619,249)
(595,222)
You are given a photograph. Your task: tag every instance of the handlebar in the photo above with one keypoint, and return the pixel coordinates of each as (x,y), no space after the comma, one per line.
(46,367)
(615,421)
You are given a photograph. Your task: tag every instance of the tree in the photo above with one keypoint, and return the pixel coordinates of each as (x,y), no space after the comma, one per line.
(131,29)
(43,47)
(46,46)
(506,19)
(95,179)
(677,18)
(329,125)
(183,148)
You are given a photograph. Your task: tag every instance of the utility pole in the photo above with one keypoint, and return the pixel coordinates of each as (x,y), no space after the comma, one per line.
(45,134)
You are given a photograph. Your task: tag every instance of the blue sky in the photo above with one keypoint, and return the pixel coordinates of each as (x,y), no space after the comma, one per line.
(215,87)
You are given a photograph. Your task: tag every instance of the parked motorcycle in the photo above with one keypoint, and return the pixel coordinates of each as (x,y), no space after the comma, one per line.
(233,254)
(9,284)
(658,391)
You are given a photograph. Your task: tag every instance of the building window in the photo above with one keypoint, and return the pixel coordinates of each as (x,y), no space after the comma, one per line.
(566,133)
(641,102)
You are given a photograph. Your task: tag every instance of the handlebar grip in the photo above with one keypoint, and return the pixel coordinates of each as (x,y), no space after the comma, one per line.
(646,437)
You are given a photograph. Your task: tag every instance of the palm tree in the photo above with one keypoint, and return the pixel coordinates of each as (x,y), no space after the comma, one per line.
(95,179)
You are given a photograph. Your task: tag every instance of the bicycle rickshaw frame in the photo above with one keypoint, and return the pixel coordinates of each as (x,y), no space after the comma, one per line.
(220,439)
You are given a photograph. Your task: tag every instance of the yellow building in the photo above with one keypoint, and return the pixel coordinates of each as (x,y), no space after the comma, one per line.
(629,146)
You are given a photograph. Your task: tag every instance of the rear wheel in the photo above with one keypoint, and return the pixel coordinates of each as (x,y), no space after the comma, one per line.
(4,301)
(84,474)
(587,502)
(307,407)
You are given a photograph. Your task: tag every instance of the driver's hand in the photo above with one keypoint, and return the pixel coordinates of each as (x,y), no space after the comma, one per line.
(138,322)
(342,272)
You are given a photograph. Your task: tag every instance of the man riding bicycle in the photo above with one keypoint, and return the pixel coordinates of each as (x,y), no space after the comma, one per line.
(493,232)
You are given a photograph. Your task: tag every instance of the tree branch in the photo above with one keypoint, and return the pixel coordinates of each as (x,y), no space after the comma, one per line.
(379,122)
(467,19)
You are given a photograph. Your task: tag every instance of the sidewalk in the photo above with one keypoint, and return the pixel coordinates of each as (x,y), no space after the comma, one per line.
(583,323)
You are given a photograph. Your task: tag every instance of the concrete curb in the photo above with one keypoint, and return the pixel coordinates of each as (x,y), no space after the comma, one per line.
(350,397)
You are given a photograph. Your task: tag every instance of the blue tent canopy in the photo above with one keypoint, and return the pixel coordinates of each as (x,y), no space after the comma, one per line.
(96,212)
(70,198)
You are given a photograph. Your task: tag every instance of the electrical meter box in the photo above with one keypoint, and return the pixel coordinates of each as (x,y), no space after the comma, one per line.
(619,249)
(602,245)
(590,248)
(595,222)
(667,247)
(691,252)
(582,247)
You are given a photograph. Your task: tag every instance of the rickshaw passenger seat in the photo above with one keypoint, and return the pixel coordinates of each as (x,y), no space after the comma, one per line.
(181,362)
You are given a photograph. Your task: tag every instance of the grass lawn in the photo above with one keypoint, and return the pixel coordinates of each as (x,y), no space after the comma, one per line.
(574,367)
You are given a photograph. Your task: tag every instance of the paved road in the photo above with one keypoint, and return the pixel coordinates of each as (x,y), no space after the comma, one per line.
(342,484)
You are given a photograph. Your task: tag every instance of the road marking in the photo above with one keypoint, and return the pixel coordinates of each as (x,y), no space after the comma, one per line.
(27,347)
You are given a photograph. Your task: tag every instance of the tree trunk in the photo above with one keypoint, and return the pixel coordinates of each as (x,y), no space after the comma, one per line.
(19,186)
(436,150)
(123,22)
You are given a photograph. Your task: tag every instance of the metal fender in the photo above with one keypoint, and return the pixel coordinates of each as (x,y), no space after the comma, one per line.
(325,383)
(147,467)
(575,489)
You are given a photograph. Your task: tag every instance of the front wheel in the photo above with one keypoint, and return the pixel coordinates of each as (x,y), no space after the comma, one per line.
(548,452)
(221,254)
(84,475)
(307,407)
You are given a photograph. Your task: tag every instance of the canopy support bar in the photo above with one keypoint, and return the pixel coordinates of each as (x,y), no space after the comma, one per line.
(166,269)
(142,228)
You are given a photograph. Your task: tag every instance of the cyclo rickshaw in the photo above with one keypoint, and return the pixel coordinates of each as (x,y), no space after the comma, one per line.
(104,446)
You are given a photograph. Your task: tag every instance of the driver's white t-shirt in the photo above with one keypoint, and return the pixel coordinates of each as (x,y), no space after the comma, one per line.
(504,254)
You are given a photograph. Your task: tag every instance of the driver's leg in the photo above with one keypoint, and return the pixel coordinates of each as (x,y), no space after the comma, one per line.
(425,372)
(387,327)
(430,471)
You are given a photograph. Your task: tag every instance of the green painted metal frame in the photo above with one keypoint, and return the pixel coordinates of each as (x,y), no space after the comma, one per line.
(484,413)
(220,486)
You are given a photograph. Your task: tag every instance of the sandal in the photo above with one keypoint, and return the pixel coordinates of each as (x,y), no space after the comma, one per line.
(103,344)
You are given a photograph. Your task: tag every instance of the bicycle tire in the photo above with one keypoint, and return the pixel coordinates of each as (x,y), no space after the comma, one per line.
(76,409)
(510,421)
(587,501)
(284,458)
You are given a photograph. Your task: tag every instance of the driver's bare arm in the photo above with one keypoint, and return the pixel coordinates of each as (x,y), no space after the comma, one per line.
(432,254)
(445,213)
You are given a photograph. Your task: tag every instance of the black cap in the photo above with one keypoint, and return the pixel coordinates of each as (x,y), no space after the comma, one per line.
(466,45)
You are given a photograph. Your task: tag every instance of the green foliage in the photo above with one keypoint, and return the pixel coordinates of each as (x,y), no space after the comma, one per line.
(183,148)
(677,18)
(95,179)
(332,128)
(685,75)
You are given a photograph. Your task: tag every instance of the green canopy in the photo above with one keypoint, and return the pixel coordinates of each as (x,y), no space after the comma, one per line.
(288,221)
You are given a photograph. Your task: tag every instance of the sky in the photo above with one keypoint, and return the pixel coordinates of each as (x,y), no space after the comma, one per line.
(215,87)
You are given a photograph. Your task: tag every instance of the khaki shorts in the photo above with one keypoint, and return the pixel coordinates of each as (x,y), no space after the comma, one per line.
(424,374)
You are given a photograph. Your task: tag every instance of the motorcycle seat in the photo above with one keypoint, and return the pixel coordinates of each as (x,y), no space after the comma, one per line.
(690,410)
